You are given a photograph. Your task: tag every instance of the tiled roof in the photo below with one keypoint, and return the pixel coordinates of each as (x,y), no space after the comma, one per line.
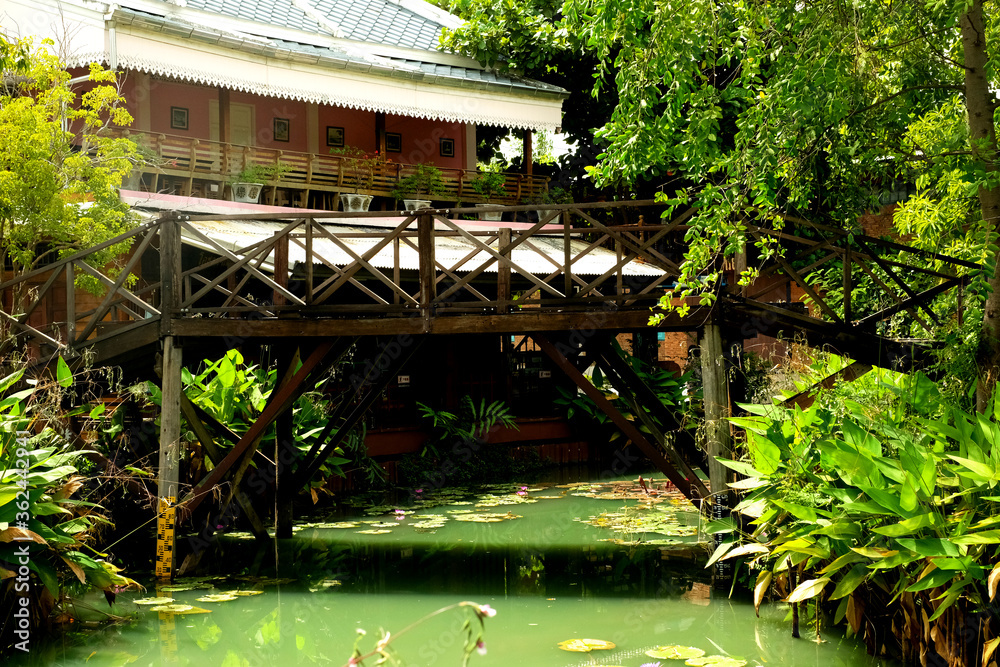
(275,12)
(378,21)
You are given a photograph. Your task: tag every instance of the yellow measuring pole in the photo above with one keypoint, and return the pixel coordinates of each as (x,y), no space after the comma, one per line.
(165,538)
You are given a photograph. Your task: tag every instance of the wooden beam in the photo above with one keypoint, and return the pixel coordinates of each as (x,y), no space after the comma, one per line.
(650,401)
(369,395)
(190,412)
(848,373)
(428,286)
(529,153)
(657,430)
(626,427)
(280,401)
(503,273)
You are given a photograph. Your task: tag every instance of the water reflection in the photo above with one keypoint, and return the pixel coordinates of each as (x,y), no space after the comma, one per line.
(546,574)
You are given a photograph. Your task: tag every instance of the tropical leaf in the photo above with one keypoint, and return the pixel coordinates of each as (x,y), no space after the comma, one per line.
(808,589)
(760,589)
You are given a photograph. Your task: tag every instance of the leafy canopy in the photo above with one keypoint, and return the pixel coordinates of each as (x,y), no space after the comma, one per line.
(59,171)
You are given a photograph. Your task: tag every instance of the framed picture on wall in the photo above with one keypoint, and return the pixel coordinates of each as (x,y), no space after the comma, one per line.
(447,148)
(281,129)
(394,142)
(178,118)
(334,136)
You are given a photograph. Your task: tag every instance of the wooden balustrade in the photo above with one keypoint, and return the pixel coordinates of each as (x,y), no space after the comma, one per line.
(202,161)
(431,273)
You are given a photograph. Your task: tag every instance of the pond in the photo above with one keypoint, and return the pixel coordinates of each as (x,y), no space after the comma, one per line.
(610,561)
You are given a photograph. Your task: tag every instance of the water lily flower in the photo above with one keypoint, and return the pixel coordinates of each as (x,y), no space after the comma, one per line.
(486,611)
(481,647)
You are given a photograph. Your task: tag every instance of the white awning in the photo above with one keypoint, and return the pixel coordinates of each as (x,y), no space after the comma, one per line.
(377,88)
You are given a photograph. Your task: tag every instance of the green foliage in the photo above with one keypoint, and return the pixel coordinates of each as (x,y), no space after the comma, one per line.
(59,171)
(669,388)
(39,510)
(896,501)
(425,180)
(235,393)
(473,421)
(360,165)
(254,172)
(489,184)
(779,106)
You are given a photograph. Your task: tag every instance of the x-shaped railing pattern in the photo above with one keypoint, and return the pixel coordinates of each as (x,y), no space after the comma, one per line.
(429,264)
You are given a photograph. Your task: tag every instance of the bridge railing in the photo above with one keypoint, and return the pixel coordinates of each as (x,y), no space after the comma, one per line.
(595,258)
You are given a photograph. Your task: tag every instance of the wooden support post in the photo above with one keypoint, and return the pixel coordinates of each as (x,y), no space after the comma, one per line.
(715,389)
(567,257)
(529,157)
(848,314)
(280,268)
(396,271)
(503,272)
(309,261)
(170,271)
(284,453)
(70,303)
(169,460)
(380,132)
(428,285)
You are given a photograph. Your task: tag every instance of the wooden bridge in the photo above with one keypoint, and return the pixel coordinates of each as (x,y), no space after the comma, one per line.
(311,285)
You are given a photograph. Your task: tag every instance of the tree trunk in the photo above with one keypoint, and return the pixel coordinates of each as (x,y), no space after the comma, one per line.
(983,136)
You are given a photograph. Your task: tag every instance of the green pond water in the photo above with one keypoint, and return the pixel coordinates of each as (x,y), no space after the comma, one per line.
(598,561)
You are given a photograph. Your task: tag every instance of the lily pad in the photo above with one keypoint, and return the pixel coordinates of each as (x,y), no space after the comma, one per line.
(217,597)
(153,601)
(185,587)
(243,594)
(373,531)
(181,609)
(486,517)
(585,645)
(716,661)
(675,652)
(338,524)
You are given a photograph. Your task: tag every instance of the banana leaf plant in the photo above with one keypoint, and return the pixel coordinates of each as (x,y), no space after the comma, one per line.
(899,513)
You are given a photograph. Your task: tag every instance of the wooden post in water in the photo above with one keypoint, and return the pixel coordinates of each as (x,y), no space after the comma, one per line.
(284,453)
(717,439)
(170,406)
(170,444)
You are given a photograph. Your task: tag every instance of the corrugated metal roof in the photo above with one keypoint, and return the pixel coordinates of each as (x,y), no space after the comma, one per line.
(235,234)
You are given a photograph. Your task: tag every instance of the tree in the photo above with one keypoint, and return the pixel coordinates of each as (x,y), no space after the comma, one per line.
(805,108)
(59,170)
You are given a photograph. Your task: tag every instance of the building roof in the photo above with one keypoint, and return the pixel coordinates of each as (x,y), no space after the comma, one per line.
(380,21)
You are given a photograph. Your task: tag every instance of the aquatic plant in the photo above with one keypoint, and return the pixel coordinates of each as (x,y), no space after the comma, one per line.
(46,531)
(474,628)
(889,518)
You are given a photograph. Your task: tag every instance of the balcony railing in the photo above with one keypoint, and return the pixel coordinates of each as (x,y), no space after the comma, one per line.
(200,161)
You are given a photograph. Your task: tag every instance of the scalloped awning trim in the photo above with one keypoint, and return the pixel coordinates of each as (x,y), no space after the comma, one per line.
(395,92)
